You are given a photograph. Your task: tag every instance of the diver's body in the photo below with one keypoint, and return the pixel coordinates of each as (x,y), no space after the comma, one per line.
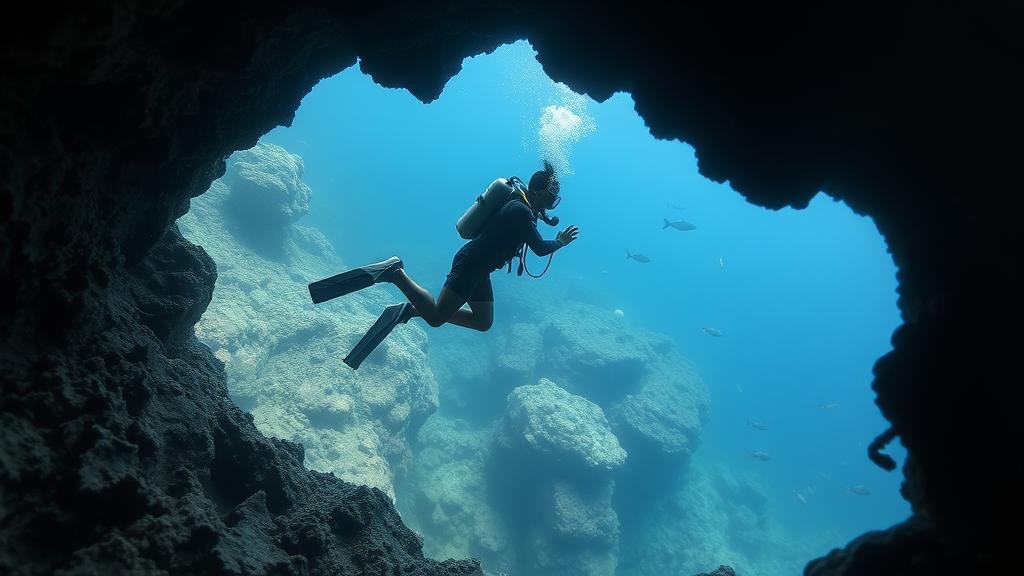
(469,282)
(511,226)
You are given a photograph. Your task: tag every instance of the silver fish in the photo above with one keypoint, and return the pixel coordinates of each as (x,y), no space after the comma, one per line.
(757,425)
(675,206)
(681,225)
(800,497)
(638,257)
(831,406)
(712,332)
(759,455)
(721,263)
(859,490)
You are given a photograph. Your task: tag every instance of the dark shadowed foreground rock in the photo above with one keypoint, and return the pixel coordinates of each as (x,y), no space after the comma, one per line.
(922,552)
(720,571)
(121,453)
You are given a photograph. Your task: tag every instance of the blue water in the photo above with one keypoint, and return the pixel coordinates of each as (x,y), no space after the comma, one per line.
(805,298)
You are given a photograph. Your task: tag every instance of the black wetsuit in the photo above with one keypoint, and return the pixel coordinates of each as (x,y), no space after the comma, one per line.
(509,227)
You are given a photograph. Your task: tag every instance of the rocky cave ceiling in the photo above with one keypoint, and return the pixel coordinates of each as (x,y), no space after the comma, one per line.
(114,115)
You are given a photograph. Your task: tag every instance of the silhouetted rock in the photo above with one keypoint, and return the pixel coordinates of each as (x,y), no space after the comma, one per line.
(720,571)
(155,470)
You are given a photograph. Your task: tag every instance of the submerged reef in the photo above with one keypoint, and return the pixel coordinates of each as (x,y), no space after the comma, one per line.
(530,486)
(587,472)
(282,354)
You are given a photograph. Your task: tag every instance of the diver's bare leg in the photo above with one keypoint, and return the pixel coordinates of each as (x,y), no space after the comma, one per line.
(479,316)
(447,308)
(420,299)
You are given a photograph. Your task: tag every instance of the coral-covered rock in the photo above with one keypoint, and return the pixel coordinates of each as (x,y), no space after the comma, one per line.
(594,354)
(663,420)
(267,191)
(553,426)
(584,514)
(283,355)
(581,536)
(447,496)
(712,512)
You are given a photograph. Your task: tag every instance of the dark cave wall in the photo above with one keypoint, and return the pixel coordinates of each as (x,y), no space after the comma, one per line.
(114,116)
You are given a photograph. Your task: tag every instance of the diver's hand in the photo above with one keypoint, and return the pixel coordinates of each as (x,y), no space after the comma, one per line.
(568,234)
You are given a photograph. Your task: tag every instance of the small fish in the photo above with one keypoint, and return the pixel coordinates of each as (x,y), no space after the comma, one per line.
(618,312)
(712,332)
(859,490)
(681,225)
(831,406)
(721,263)
(675,206)
(800,497)
(759,455)
(638,257)
(809,490)
(739,388)
(757,425)
(824,476)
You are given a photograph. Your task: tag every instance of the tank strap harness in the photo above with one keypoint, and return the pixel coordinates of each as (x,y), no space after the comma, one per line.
(519,194)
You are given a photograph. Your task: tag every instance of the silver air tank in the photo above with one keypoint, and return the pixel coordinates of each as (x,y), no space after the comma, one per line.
(472,222)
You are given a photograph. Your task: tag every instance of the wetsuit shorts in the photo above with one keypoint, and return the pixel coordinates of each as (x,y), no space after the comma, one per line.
(469,279)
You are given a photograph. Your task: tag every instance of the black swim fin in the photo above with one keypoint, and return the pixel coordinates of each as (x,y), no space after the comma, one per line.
(391,316)
(353,280)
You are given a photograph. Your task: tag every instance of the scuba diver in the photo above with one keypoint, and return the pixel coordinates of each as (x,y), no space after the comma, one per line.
(499,225)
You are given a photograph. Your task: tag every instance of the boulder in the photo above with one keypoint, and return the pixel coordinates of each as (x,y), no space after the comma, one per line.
(550,425)
(267,193)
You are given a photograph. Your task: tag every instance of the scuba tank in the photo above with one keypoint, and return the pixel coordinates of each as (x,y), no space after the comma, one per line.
(472,222)
(497,195)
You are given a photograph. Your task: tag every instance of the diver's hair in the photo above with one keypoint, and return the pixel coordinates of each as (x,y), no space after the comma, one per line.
(545,179)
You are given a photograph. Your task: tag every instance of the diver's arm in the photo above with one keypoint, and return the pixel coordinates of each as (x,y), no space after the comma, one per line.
(538,245)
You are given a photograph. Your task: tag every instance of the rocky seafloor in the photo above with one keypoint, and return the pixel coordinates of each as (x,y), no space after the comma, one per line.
(539,460)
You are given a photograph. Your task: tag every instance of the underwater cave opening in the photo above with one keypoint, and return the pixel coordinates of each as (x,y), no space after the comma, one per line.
(732,360)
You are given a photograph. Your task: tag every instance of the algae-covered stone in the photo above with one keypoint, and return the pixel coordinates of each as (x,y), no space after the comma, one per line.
(663,420)
(550,423)
(584,514)
(282,354)
(446,495)
(267,187)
